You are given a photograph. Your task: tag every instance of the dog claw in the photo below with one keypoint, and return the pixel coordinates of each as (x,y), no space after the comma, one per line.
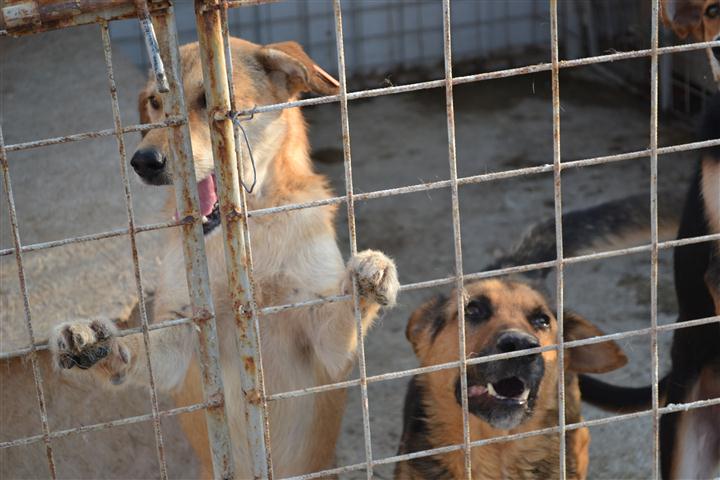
(376,277)
(84,344)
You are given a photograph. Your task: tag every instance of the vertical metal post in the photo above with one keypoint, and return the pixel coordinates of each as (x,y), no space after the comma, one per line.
(26,304)
(203,312)
(559,266)
(347,156)
(133,246)
(212,54)
(240,162)
(654,40)
(459,277)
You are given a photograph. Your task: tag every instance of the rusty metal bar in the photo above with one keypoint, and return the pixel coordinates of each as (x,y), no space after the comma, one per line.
(241,158)
(212,54)
(106,425)
(457,234)
(198,279)
(23,17)
(559,265)
(487,177)
(168,122)
(508,270)
(151,43)
(654,251)
(37,378)
(347,163)
(505,73)
(95,236)
(105,30)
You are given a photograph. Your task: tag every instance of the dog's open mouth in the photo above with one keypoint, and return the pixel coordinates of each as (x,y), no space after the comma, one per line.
(510,390)
(209,207)
(502,401)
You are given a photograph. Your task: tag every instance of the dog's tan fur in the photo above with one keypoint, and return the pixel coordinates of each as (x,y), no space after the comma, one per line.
(295,258)
(534,457)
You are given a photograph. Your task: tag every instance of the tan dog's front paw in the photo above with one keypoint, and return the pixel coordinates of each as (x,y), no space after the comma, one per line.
(88,343)
(376,276)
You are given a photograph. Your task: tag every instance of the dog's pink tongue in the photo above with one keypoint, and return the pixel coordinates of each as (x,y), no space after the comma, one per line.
(476,391)
(208,197)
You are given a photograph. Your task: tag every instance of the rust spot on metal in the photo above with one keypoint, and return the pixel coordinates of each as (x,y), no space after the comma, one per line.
(249,365)
(253,397)
(22,17)
(216,400)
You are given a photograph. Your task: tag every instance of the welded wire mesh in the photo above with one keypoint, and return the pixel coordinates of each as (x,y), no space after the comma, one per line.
(238,236)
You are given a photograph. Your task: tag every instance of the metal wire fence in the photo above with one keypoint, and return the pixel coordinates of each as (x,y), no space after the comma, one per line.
(212,17)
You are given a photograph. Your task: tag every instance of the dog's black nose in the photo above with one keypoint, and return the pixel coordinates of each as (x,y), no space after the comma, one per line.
(514,340)
(148,162)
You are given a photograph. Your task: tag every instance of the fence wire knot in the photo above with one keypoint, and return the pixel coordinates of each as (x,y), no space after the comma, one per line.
(237,119)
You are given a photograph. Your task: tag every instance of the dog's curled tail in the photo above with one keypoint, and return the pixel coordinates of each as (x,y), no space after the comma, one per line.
(620,399)
(616,224)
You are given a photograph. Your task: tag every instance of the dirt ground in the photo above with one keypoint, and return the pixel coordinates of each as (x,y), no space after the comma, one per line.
(59,87)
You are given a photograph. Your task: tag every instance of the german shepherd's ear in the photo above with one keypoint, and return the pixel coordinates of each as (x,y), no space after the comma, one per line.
(303,74)
(425,322)
(594,358)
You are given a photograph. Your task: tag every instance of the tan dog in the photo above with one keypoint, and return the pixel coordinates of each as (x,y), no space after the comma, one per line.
(505,396)
(295,258)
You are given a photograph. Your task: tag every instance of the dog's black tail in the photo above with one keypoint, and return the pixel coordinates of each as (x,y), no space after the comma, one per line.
(618,224)
(620,399)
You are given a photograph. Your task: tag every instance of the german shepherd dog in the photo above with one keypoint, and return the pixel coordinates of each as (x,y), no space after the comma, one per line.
(295,258)
(689,441)
(505,396)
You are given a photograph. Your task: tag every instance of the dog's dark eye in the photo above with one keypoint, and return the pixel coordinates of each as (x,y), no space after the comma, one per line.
(202,101)
(540,320)
(478,310)
(712,11)
(154,102)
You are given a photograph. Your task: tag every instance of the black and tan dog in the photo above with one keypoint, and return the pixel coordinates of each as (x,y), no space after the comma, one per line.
(689,440)
(505,396)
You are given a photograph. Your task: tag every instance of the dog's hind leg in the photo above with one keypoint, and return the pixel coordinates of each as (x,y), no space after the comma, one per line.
(194,424)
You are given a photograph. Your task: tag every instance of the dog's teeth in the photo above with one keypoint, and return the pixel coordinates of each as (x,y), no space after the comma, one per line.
(525,394)
(492,391)
(204,219)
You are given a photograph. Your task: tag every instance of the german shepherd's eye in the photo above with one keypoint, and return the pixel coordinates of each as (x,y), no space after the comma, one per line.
(154,102)
(478,310)
(539,320)
(712,11)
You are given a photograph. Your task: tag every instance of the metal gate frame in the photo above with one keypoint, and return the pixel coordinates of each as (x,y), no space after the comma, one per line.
(26,17)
